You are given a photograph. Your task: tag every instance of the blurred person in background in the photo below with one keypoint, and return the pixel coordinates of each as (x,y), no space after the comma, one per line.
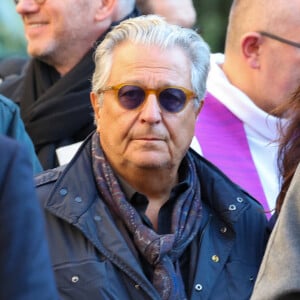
(237,128)
(11,125)
(25,272)
(182,12)
(279,275)
(53,87)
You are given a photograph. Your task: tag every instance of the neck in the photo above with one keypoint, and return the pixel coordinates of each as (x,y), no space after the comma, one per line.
(62,61)
(64,66)
(155,185)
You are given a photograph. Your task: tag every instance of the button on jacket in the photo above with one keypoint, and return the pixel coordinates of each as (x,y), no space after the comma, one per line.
(93,256)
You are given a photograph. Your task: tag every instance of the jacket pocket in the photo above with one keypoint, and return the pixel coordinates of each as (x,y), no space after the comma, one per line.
(90,279)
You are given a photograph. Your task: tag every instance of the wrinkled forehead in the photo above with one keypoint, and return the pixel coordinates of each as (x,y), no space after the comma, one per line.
(133,62)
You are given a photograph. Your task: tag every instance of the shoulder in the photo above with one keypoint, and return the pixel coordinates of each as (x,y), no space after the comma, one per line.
(222,194)
(45,181)
(48,176)
(12,72)
(210,172)
(11,66)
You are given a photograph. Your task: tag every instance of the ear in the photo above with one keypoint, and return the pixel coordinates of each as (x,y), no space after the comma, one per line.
(105,9)
(251,46)
(96,107)
(200,107)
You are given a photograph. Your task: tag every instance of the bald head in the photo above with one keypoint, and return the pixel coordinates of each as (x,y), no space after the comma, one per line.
(275,16)
(267,70)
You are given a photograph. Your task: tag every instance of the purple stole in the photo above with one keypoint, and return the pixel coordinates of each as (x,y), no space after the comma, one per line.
(223,141)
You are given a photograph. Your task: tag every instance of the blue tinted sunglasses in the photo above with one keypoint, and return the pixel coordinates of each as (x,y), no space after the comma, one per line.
(172,99)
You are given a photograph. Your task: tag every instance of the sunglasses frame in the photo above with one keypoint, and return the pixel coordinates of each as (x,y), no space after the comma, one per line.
(116,88)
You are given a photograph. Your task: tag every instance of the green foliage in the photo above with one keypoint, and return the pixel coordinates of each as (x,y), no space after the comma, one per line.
(212,18)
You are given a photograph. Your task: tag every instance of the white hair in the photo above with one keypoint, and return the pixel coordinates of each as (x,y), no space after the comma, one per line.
(154,30)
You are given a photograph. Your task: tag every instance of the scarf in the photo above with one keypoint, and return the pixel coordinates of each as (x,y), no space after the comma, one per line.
(161,251)
(56,111)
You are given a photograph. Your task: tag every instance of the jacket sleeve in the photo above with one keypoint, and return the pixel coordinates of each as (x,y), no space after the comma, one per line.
(25,271)
(279,275)
(11,124)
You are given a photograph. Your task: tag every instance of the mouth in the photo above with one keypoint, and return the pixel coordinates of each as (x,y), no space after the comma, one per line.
(35,29)
(33,21)
(150,139)
(35,24)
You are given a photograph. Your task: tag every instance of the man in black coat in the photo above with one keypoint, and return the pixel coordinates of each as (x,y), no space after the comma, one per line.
(53,88)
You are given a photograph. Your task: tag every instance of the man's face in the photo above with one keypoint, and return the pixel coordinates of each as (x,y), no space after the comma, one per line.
(147,137)
(279,63)
(57,27)
(280,66)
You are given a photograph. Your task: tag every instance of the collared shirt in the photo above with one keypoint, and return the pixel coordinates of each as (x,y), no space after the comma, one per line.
(140,201)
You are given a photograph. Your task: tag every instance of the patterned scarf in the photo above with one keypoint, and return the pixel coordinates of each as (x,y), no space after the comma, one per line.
(161,251)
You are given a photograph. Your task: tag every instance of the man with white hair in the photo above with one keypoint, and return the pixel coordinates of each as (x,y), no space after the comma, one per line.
(137,214)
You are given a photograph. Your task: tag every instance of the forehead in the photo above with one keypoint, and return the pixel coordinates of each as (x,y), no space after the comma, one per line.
(149,63)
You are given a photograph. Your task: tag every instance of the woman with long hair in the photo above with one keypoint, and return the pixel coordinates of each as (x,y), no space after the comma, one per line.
(279,275)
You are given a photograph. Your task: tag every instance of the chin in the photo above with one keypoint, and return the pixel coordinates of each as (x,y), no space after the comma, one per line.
(38,50)
(153,164)
(35,52)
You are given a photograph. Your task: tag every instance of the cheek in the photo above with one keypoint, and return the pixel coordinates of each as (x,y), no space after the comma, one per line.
(112,126)
(104,121)
(183,132)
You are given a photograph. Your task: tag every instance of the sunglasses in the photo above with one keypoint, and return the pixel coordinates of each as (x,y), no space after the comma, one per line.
(172,99)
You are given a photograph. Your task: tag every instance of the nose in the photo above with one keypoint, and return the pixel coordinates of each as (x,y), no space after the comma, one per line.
(27,6)
(151,111)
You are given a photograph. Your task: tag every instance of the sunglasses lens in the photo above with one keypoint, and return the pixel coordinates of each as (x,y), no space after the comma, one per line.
(172,99)
(131,97)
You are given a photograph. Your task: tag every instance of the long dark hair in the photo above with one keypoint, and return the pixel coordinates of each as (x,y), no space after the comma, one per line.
(289,145)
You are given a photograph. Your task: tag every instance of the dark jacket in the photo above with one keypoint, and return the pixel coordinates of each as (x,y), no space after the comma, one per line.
(25,272)
(11,125)
(90,252)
